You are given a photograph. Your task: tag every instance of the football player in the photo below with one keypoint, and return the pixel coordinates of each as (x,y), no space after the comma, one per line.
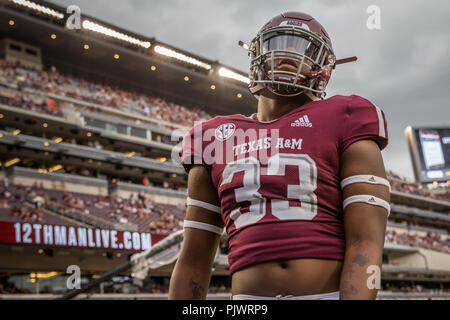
(300,186)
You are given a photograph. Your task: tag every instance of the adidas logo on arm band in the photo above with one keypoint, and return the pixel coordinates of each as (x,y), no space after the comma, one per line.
(203,226)
(366,198)
(365,178)
(201,204)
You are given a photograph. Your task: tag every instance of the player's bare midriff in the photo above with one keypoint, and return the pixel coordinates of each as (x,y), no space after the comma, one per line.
(296,277)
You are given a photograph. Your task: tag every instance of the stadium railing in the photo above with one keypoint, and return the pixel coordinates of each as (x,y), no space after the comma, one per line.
(417,228)
(418,201)
(422,213)
(69,149)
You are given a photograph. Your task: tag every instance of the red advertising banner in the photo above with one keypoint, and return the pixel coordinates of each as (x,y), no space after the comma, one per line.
(77,237)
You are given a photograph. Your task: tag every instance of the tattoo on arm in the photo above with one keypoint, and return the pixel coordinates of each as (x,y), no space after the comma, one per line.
(350,282)
(350,271)
(361,259)
(347,290)
(196,288)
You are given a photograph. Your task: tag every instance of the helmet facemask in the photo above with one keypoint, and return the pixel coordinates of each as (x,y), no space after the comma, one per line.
(288,61)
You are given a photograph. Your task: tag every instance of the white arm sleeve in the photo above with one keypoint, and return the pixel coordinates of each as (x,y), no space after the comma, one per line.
(365,198)
(365,178)
(202,226)
(201,204)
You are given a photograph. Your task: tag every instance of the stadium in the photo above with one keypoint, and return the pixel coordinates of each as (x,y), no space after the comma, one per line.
(91,122)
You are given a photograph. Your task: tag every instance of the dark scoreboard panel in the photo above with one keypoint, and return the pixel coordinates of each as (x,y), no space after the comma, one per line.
(430,152)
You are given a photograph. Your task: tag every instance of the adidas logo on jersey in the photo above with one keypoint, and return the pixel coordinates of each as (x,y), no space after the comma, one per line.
(302,122)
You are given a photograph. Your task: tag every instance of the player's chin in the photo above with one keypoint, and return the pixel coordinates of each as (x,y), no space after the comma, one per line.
(270,95)
(265,92)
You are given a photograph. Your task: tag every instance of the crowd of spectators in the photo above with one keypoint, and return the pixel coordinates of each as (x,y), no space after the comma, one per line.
(400,184)
(126,211)
(55,82)
(413,287)
(166,224)
(135,210)
(12,201)
(431,240)
(26,102)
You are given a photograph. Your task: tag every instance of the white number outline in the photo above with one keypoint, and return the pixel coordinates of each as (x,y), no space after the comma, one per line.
(303,192)
(248,192)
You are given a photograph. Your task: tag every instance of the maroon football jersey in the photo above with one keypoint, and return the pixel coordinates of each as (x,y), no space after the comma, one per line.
(278,182)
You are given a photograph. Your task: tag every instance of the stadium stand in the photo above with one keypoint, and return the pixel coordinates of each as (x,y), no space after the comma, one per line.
(23,78)
(134,213)
(401,185)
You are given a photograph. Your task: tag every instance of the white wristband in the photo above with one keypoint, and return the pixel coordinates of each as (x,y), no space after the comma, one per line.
(366,198)
(201,204)
(202,226)
(365,178)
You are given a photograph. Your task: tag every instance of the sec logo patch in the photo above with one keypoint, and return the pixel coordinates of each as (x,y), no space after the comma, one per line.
(224,131)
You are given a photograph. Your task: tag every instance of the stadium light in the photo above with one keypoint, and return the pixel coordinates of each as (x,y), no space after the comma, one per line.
(1,115)
(182,57)
(239,95)
(153,68)
(224,72)
(186,78)
(55,168)
(86,47)
(43,275)
(39,8)
(16,132)
(45,124)
(11,162)
(58,140)
(11,22)
(213,87)
(1,135)
(92,26)
(53,36)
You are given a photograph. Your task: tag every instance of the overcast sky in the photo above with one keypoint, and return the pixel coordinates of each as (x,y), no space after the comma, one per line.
(403,68)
